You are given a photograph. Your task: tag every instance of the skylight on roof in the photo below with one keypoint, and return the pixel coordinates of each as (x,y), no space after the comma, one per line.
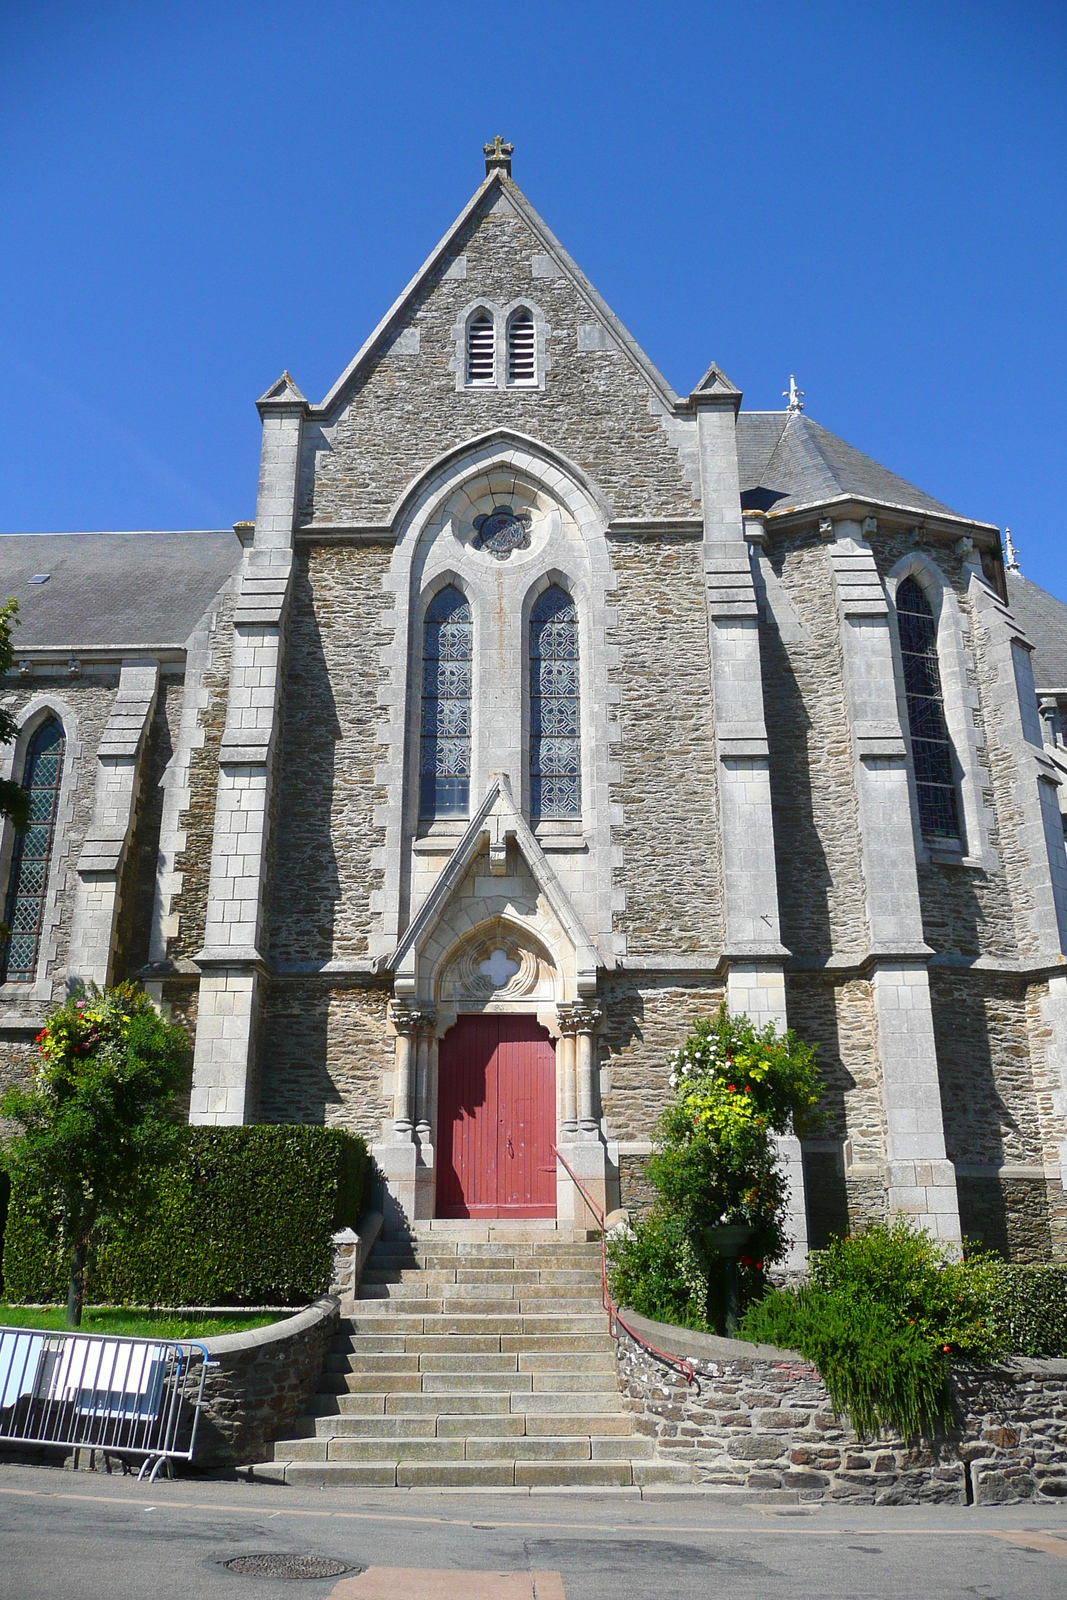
(40,577)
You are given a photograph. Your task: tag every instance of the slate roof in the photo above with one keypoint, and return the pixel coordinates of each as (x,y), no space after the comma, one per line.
(113,589)
(786,460)
(1043,619)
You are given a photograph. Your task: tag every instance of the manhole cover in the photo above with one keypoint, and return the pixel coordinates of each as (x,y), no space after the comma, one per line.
(283,1566)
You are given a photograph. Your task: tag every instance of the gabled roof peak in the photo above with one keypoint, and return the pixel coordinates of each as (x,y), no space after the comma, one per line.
(283,392)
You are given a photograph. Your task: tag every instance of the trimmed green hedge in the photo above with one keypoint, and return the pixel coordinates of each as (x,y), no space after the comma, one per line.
(1028,1309)
(243,1216)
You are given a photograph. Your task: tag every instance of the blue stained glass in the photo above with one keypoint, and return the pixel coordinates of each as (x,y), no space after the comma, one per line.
(445,754)
(555,713)
(28,887)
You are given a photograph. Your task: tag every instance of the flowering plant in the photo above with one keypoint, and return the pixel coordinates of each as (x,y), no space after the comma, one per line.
(715,1156)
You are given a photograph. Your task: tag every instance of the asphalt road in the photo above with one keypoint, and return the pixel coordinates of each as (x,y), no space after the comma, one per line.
(82,1536)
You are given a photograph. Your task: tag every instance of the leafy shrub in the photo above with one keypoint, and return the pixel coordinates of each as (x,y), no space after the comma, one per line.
(916,1282)
(1027,1309)
(242,1215)
(98,1114)
(882,1375)
(654,1269)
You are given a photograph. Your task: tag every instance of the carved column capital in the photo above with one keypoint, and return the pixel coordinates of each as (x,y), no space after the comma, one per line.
(585,1018)
(409,1021)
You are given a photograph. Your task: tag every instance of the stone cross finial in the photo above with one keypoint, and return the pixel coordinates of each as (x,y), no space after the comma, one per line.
(498,156)
(794,395)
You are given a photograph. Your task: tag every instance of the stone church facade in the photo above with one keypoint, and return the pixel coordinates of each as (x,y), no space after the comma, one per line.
(540,710)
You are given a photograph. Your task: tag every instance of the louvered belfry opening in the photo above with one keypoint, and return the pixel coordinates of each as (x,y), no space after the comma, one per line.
(522,349)
(481,349)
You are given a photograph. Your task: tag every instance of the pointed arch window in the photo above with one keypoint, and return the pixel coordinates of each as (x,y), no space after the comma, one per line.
(481,350)
(32,853)
(522,348)
(555,720)
(931,746)
(445,756)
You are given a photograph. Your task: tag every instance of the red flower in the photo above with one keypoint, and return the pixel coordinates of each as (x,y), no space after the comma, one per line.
(759,1266)
(731,1088)
(748,1088)
(945,1348)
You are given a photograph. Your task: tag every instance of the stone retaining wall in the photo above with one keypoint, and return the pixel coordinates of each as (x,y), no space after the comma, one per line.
(264,1380)
(759,1418)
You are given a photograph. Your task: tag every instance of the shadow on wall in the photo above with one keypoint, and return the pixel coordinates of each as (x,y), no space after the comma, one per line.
(813,1013)
(982,1049)
(804,877)
(304,876)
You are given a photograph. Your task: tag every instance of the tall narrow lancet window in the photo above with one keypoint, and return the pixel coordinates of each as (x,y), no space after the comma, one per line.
(522,348)
(555,724)
(481,350)
(930,744)
(28,890)
(445,764)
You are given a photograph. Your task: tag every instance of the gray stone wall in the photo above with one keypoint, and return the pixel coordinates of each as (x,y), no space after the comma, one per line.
(671,873)
(405,411)
(323,877)
(189,904)
(836,1013)
(987,1087)
(645,1016)
(758,1418)
(816,828)
(263,1381)
(138,887)
(323,1055)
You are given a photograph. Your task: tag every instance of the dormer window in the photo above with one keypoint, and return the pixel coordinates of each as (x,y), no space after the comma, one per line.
(522,348)
(481,351)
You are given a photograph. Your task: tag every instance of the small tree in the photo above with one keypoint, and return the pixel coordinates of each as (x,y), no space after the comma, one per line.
(715,1161)
(98,1116)
(14,801)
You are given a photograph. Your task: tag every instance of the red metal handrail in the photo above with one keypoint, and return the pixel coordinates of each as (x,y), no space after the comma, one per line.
(684,1367)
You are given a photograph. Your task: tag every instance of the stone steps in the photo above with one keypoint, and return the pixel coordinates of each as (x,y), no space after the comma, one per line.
(478,1356)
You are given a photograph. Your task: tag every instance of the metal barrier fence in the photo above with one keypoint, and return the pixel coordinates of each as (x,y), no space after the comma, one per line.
(136,1397)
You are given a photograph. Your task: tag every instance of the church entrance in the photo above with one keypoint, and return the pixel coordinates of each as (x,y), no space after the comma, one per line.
(496,1119)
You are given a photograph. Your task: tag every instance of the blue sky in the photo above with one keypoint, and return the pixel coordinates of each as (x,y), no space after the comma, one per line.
(193,197)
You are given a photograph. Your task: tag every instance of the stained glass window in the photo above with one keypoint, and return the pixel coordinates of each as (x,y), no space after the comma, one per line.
(555,725)
(445,763)
(28,889)
(931,747)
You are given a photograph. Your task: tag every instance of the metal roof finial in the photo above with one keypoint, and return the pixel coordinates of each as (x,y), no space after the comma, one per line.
(794,395)
(498,156)
(1012,562)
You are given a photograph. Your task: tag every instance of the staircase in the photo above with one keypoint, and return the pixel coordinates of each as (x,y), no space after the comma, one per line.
(479,1356)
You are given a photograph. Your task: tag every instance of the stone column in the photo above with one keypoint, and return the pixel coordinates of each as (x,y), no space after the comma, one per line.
(584,1020)
(565,1060)
(224,1086)
(754,953)
(103,856)
(409,1025)
(921,1182)
(426,1062)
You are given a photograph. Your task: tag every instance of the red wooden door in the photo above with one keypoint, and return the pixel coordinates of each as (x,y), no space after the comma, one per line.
(496,1119)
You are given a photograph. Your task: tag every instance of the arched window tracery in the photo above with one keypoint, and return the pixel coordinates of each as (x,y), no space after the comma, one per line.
(555,713)
(32,853)
(930,743)
(445,755)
